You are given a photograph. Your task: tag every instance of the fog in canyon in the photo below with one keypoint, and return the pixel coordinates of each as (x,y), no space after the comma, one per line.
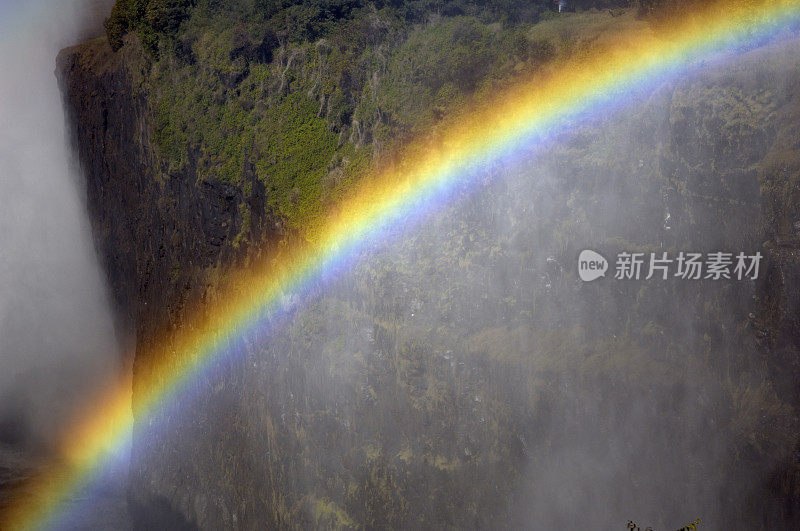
(57,339)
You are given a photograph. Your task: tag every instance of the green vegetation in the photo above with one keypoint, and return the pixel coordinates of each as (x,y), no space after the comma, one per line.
(151,19)
(306,97)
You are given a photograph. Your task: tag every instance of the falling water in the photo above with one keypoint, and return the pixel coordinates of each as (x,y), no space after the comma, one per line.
(57,340)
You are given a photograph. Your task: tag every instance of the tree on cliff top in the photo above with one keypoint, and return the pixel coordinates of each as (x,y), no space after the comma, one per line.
(150,18)
(153,19)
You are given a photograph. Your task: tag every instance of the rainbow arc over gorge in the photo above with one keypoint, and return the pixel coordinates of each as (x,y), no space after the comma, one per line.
(526,115)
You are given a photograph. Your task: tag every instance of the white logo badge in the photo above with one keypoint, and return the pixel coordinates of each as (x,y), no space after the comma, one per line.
(591,265)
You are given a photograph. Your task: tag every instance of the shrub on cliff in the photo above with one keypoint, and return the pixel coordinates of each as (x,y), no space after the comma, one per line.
(152,19)
(308,20)
(116,26)
(304,96)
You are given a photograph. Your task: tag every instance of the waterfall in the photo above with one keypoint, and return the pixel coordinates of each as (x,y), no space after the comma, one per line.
(57,340)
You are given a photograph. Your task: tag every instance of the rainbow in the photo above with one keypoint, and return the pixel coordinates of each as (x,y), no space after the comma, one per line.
(427,176)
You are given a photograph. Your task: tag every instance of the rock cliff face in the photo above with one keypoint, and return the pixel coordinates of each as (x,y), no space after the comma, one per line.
(597,399)
(158,231)
(162,236)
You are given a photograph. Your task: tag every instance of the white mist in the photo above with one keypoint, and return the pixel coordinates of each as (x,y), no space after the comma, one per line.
(57,342)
